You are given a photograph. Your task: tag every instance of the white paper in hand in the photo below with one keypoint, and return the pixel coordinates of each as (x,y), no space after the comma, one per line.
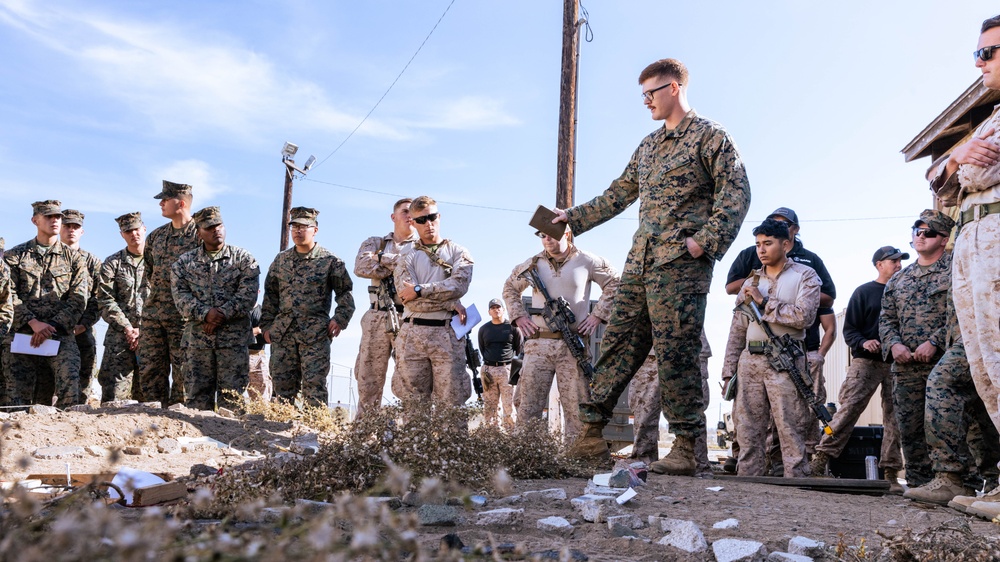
(472,318)
(22,344)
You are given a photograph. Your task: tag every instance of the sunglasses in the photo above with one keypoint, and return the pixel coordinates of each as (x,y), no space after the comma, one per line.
(926,232)
(984,54)
(423,220)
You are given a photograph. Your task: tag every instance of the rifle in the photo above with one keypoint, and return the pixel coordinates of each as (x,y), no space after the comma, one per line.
(385,295)
(474,361)
(783,352)
(559,318)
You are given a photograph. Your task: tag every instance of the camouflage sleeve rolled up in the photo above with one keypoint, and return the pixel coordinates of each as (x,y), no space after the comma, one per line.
(367,263)
(513,287)
(6,305)
(107,293)
(93,312)
(608,280)
(801,313)
(342,285)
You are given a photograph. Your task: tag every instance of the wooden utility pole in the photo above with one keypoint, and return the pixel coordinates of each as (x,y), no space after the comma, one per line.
(566,163)
(287,207)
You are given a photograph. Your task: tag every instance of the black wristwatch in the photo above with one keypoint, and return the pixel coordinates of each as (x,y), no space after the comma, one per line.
(417,289)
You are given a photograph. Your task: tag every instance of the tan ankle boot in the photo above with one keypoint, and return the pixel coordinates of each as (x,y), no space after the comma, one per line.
(680,461)
(944,488)
(590,445)
(892,477)
(818,464)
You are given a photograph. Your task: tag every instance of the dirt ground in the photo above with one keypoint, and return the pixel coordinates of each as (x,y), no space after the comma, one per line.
(766,513)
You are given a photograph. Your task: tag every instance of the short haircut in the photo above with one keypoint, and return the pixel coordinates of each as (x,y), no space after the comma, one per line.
(990,24)
(186,197)
(403,201)
(421,203)
(671,68)
(773,228)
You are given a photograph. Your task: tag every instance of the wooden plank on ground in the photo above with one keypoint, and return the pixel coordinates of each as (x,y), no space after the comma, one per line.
(159,493)
(847,485)
(83,479)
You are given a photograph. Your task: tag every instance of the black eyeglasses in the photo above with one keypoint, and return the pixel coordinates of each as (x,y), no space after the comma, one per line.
(926,232)
(648,94)
(984,54)
(423,220)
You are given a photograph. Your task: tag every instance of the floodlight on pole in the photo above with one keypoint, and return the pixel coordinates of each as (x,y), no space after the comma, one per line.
(288,151)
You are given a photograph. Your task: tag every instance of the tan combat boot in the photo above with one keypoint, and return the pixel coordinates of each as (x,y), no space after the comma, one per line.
(941,490)
(962,503)
(818,464)
(892,477)
(590,446)
(679,461)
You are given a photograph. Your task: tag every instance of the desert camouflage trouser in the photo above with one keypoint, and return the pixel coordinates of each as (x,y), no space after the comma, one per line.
(498,392)
(160,356)
(25,375)
(373,361)
(119,365)
(433,366)
(975,287)
(213,372)
(543,360)
(260,387)
(960,436)
(301,361)
(766,393)
(649,312)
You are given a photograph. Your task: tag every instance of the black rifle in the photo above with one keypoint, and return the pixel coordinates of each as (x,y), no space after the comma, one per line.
(474,361)
(783,352)
(559,318)
(385,296)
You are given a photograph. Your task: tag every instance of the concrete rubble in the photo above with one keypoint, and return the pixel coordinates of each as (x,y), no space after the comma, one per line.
(805,546)
(502,516)
(683,535)
(737,550)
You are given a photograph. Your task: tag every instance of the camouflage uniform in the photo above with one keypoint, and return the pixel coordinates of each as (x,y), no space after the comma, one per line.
(298,294)
(51,286)
(546,354)
(6,318)
(218,362)
(690,181)
(375,260)
(433,366)
(121,294)
(915,310)
(87,341)
(961,439)
(764,392)
(160,354)
(497,391)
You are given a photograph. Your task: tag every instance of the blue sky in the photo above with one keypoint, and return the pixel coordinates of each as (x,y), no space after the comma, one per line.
(102,100)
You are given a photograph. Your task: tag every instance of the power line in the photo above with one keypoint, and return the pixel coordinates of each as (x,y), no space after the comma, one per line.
(398,76)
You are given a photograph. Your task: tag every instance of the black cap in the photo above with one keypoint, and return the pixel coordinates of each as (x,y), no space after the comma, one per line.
(889,253)
(786,213)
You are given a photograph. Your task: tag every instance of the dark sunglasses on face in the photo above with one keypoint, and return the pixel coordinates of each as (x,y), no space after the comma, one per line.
(985,54)
(926,232)
(423,220)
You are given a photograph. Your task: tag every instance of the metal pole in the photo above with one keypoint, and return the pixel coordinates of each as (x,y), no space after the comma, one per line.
(567,106)
(287,207)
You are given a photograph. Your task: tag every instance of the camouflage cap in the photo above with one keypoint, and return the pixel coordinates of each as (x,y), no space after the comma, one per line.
(129,221)
(207,217)
(304,215)
(936,220)
(72,216)
(48,207)
(173,190)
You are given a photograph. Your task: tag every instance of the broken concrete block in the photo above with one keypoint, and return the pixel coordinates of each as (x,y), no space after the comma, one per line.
(270,515)
(176,407)
(684,535)
(119,403)
(805,546)
(550,494)
(227,413)
(736,550)
(630,520)
(579,501)
(168,446)
(555,524)
(80,408)
(596,512)
(307,444)
(153,405)
(67,452)
(41,410)
(4,416)
(727,524)
(620,478)
(502,516)
(598,490)
(133,450)
(786,557)
(618,530)
(509,500)
(440,515)
(95,451)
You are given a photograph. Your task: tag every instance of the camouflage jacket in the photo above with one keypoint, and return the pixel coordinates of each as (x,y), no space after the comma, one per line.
(570,279)
(915,307)
(228,281)
(164,246)
(6,306)
(369,265)
(93,312)
(51,286)
(690,182)
(441,287)
(792,301)
(120,291)
(299,290)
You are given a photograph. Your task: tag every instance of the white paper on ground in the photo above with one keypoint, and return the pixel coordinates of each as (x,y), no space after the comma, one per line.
(714,489)
(22,344)
(602,479)
(629,494)
(472,318)
(129,479)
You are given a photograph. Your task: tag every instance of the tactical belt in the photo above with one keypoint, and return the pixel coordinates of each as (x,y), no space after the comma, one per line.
(256,352)
(977,212)
(761,347)
(495,363)
(399,308)
(546,335)
(426,322)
